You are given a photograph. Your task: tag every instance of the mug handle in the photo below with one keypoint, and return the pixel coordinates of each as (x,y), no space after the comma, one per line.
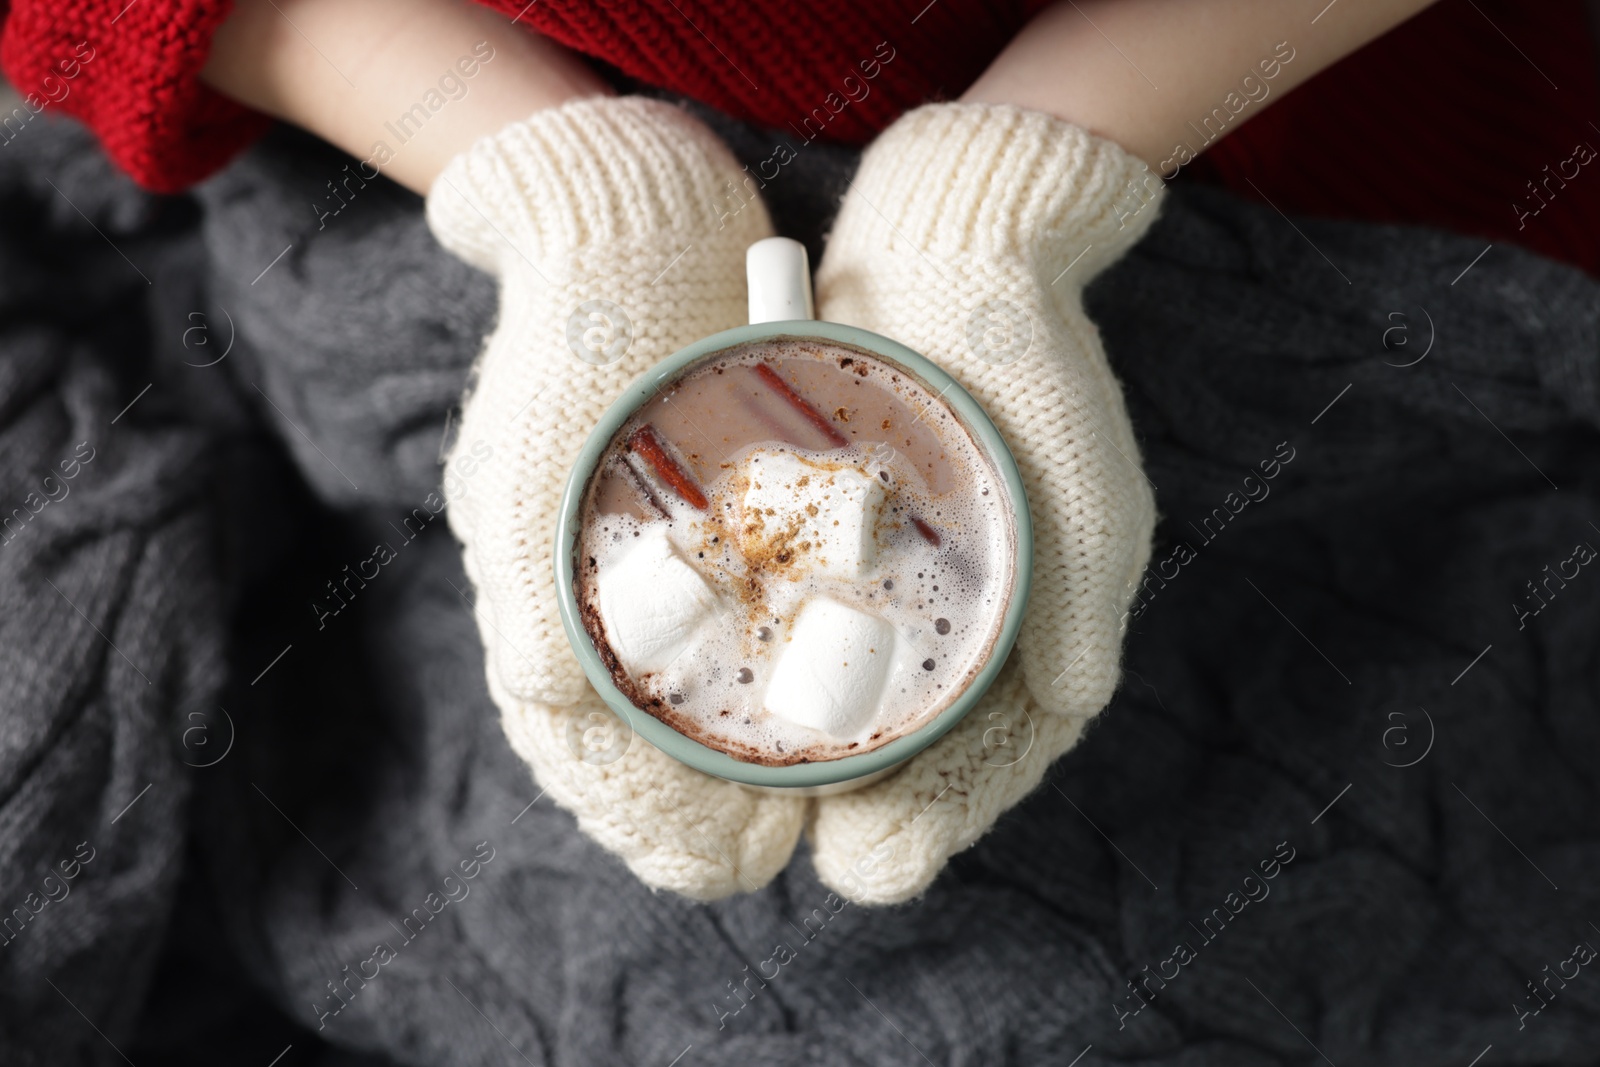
(778,274)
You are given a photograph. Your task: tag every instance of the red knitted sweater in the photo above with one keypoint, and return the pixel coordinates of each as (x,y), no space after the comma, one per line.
(1475,116)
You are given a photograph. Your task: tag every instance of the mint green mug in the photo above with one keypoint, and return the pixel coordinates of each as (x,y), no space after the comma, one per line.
(780,308)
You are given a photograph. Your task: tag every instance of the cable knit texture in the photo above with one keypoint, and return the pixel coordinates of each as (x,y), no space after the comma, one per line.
(969,234)
(607,223)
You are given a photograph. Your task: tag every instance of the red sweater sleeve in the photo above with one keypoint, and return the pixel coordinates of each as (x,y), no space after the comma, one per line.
(130,71)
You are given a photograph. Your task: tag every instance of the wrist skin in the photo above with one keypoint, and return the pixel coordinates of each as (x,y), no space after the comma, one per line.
(1139,72)
(350,70)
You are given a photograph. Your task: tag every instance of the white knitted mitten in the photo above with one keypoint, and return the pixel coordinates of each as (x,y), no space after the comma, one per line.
(609,225)
(969,234)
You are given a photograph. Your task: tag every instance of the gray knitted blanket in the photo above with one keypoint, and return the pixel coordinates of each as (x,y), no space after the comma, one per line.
(1342,811)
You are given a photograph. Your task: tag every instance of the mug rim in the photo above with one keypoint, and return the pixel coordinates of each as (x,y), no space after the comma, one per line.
(823,772)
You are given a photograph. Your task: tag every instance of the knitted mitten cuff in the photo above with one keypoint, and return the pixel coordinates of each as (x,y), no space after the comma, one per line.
(999,183)
(603,171)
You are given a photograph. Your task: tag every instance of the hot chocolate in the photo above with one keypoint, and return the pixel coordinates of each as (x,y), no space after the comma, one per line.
(794,552)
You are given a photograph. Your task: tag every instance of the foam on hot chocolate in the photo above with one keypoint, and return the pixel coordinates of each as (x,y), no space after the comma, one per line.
(829,597)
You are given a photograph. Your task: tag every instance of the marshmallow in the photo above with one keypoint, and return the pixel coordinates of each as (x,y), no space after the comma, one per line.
(831,675)
(823,518)
(652,602)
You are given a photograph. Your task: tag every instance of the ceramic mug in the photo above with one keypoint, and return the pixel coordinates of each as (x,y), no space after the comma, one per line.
(781,309)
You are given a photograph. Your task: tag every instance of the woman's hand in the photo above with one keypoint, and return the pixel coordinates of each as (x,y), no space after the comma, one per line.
(601,215)
(969,234)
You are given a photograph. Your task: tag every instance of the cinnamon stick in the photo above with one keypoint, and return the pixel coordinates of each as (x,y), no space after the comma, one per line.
(645,442)
(796,401)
